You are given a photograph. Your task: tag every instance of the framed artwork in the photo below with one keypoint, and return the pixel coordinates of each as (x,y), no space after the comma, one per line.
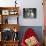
(29,12)
(5,12)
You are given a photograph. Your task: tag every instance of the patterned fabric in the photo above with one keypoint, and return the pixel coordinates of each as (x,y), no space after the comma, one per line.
(28,34)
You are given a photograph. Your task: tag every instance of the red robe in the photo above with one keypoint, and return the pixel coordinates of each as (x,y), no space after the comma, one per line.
(29,33)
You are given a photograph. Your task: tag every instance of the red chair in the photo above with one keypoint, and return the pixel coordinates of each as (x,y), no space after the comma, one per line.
(29,33)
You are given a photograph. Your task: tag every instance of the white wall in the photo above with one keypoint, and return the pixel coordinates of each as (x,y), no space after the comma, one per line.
(32,4)
(7,3)
(27,4)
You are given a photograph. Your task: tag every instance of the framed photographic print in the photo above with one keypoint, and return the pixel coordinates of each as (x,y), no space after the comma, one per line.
(29,12)
(5,12)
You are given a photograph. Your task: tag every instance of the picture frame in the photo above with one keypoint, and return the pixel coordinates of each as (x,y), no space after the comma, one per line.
(29,12)
(5,12)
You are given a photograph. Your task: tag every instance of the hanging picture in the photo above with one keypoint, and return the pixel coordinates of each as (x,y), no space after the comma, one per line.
(5,12)
(29,12)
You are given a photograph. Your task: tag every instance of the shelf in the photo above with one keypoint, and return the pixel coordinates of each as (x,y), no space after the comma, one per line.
(9,10)
(8,26)
(5,12)
(10,41)
(4,8)
(10,19)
